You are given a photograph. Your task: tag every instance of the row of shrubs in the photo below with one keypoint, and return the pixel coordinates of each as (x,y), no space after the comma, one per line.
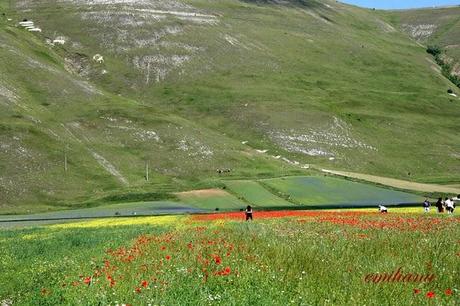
(446,68)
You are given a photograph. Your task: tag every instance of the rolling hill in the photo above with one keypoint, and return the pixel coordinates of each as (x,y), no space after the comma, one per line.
(105,89)
(435,27)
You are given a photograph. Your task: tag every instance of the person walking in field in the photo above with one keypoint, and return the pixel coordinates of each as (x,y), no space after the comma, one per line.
(449,206)
(444,203)
(248,212)
(383,209)
(439,206)
(426,205)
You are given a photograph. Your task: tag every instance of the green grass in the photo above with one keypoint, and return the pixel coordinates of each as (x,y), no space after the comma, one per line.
(317,190)
(216,200)
(292,79)
(255,194)
(445,32)
(82,127)
(270,261)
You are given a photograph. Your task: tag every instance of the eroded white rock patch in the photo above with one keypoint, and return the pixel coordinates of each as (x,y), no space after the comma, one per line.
(194,148)
(7,93)
(157,67)
(419,31)
(322,142)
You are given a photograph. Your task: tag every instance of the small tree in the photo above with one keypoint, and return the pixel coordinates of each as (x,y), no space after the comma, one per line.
(434,50)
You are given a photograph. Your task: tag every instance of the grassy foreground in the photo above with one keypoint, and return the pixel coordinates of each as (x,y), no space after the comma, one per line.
(298,258)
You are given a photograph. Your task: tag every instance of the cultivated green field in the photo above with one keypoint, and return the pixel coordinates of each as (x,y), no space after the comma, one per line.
(288,192)
(255,194)
(333,191)
(120,210)
(211,199)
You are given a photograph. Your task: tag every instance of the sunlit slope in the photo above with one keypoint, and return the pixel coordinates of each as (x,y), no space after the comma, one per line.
(189,87)
(315,82)
(439,26)
(63,141)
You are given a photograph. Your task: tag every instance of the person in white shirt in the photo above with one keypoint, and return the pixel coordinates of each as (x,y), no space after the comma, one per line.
(383,209)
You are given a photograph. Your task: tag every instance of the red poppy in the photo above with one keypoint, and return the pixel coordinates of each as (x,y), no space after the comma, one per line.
(448,291)
(217,260)
(87,280)
(225,271)
(163,248)
(168,257)
(430,294)
(189,245)
(417,291)
(144,283)
(138,290)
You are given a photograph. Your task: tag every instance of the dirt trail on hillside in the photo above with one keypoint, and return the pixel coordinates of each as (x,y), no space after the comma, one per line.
(397,183)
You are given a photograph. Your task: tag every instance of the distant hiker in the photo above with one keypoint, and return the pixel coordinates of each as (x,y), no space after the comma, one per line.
(426,205)
(439,205)
(248,213)
(383,209)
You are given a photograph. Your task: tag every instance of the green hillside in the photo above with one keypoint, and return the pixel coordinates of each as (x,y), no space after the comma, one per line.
(189,87)
(437,27)
(49,115)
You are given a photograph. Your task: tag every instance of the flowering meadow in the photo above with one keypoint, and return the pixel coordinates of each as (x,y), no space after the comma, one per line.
(281,258)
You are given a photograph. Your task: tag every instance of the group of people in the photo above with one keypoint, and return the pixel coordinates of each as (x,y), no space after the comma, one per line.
(448,204)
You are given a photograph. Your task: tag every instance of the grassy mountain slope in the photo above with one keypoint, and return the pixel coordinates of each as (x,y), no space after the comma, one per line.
(49,115)
(184,83)
(440,26)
